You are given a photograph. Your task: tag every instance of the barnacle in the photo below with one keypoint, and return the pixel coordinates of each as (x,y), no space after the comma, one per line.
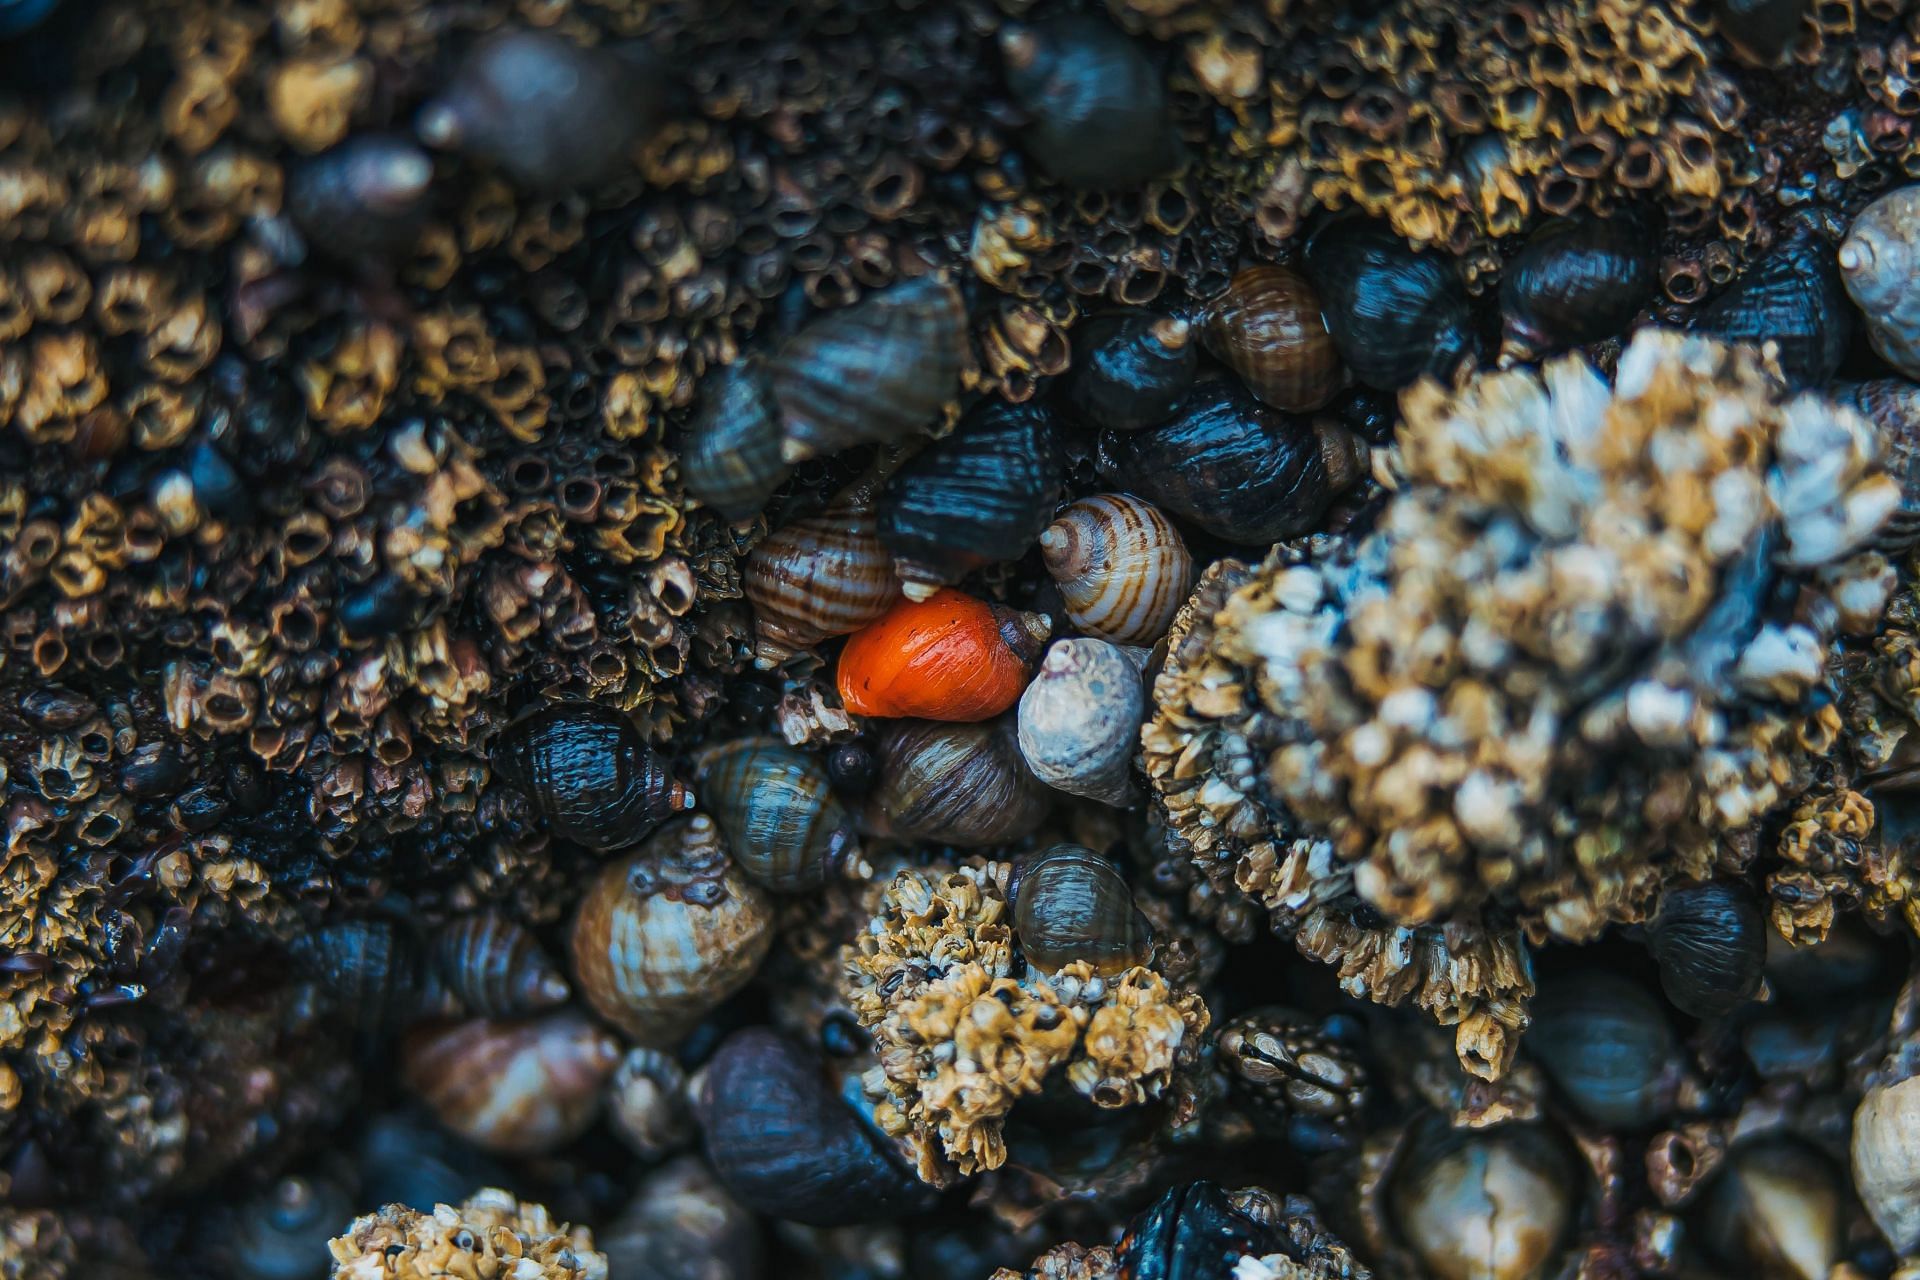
(492,1234)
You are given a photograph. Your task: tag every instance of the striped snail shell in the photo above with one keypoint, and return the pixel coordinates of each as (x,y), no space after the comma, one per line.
(1069,904)
(964,784)
(1267,328)
(1575,281)
(1097,107)
(949,657)
(1893,406)
(647,1103)
(667,933)
(1395,312)
(521,1087)
(820,576)
(776,806)
(1080,720)
(876,372)
(1130,369)
(589,774)
(1793,298)
(1878,262)
(1122,568)
(731,459)
(372,969)
(495,968)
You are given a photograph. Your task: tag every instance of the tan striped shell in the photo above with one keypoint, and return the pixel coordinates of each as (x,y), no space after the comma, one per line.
(1122,567)
(826,575)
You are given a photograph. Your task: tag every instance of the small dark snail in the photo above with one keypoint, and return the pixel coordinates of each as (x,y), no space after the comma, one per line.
(1080,720)
(979,496)
(277,1234)
(667,933)
(731,460)
(1489,1204)
(365,199)
(407,1159)
(1131,369)
(818,577)
(1267,328)
(1122,568)
(1878,261)
(1191,1232)
(784,825)
(1608,1045)
(965,784)
(1775,1208)
(1239,469)
(1711,941)
(495,968)
(1096,107)
(646,1103)
(1761,31)
(782,1140)
(682,1225)
(1575,281)
(1794,299)
(1893,406)
(949,657)
(371,968)
(589,774)
(518,1088)
(1395,313)
(1072,904)
(876,372)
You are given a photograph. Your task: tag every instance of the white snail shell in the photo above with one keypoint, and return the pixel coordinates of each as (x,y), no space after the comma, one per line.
(1886,1160)
(1880,265)
(1080,720)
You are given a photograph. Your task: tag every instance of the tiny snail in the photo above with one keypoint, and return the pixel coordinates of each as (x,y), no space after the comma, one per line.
(819,576)
(494,967)
(1069,904)
(1096,106)
(1130,369)
(1267,328)
(964,784)
(1878,261)
(948,657)
(783,823)
(731,459)
(1080,720)
(516,1087)
(1711,941)
(1122,568)
(589,774)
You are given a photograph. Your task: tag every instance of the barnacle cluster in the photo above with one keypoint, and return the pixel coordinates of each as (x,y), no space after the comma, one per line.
(490,1235)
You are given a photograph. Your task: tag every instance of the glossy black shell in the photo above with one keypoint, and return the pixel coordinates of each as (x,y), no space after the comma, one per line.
(1130,370)
(1794,298)
(1577,280)
(1394,312)
(1072,904)
(1711,942)
(1193,1232)
(787,1145)
(1607,1043)
(982,494)
(1096,106)
(588,773)
(372,969)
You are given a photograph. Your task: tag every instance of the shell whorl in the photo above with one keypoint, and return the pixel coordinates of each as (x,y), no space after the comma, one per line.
(1122,567)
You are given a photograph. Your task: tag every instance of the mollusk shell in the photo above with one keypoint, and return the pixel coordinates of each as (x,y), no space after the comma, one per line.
(1395,313)
(1607,1043)
(371,968)
(1096,106)
(1794,299)
(1072,904)
(1267,328)
(1122,568)
(1130,369)
(519,1087)
(817,577)
(1893,406)
(965,784)
(588,772)
(365,198)
(1080,720)
(784,825)
(1575,281)
(495,968)
(1886,1160)
(1880,266)
(1711,941)
(949,657)
(731,460)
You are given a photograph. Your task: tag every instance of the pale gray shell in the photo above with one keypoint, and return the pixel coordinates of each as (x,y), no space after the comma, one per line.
(1886,1160)
(1880,265)
(1121,566)
(1080,720)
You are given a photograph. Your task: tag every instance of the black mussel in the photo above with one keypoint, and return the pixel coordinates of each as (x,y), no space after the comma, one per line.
(1395,312)
(365,199)
(979,496)
(1096,107)
(1072,904)
(1193,1232)
(553,114)
(1893,406)
(784,825)
(1775,1208)
(589,774)
(1761,31)
(1130,369)
(372,969)
(1239,469)
(1576,280)
(278,1233)
(1795,299)
(1267,327)
(1711,941)
(731,460)
(783,1140)
(1483,1204)
(1608,1045)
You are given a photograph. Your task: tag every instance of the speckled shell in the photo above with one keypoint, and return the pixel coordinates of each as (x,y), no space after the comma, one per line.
(1880,266)
(1711,941)
(1096,107)
(1267,328)
(979,496)
(1575,281)
(494,967)
(588,772)
(667,933)
(1395,313)
(1893,406)
(876,372)
(1886,1160)
(1239,469)
(1122,568)
(1072,904)
(965,784)
(1130,369)
(820,576)
(1080,720)
(783,824)
(1607,1043)
(950,657)
(1793,298)
(519,1087)
(731,459)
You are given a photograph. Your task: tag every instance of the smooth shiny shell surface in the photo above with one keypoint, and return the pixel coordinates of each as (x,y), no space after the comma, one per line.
(979,496)
(731,459)
(1267,328)
(1575,281)
(588,772)
(1192,1232)
(667,933)
(1886,1160)
(876,372)
(518,1087)
(1072,904)
(1775,1210)
(949,657)
(495,968)
(1484,1205)
(1608,1045)
(1130,370)
(1893,406)
(1394,313)
(1880,265)
(1711,942)
(965,784)
(1096,107)
(819,576)
(1793,298)
(1122,568)
(783,823)
(1080,720)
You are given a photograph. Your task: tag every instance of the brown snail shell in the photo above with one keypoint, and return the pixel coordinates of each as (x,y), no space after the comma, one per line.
(776,805)
(1267,328)
(1070,904)
(647,1104)
(964,784)
(667,933)
(1886,1160)
(495,968)
(1893,406)
(1122,568)
(1878,262)
(520,1087)
(1080,720)
(589,773)
(820,576)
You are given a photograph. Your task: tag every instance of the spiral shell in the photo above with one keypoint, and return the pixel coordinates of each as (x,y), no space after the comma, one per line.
(371,968)
(731,459)
(1080,721)
(666,934)
(495,968)
(519,1087)
(949,657)
(1575,281)
(646,1103)
(1267,328)
(964,784)
(589,774)
(821,576)
(1711,941)
(1096,107)
(783,824)
(1893,406)
(1130,369)
(278,1233)
(1793,299)
(1395,313)
(1879,261)
(1072,904)
(876,372)
(1122,568)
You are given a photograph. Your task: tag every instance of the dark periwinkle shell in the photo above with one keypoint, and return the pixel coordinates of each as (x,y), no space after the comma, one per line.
(731,459)
(1394,312)
(1097,110)
(782,1139)
(217,487)
(1760,30)
(1192,1232)
(1607,1043)
(962,784)
(372,969)
(1576,280)
(364,199)
(494,967)
(1711,941)
(1267,327)
(1130,369)
(1072,904)
(981,495)
(589,774)
(1794,298)
(1239,469)
(1893,406)
(784,825)
(278,1232)
(403,1159)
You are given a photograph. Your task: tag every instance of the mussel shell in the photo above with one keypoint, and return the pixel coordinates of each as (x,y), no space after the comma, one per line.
(1793,298)
(784,825)
(875,372)
(1488,1204)
(1607,1044)
(1575,281)
(589,774)
(731,459)
(1893,406)
(964,784)
(1096,106)
(1130,369)
(1711,941)
(495,968)
(1395,313)
(1192,1232)
(1072,904)
(1267,328)
(782,1140)
(513,1087)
